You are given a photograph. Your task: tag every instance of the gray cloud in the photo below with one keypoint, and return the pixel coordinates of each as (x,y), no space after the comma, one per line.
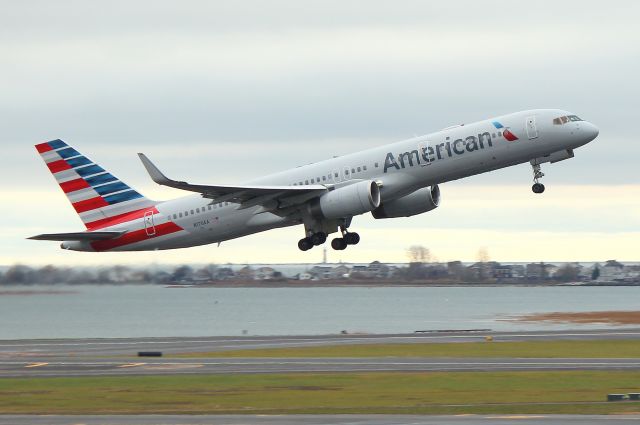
(222,92)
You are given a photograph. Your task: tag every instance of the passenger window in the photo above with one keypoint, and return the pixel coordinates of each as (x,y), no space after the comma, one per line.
(312,181)
(493,135)
(499,133)
(175,216)
(336,175)
(376,165)
(198,210)
(306,182)
(346,172)
(180,215)
(359,169)
(324,178)
(353,170)
(364,167)
(318,179)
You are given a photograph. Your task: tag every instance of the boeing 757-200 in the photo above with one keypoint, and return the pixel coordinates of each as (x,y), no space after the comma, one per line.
(396,180)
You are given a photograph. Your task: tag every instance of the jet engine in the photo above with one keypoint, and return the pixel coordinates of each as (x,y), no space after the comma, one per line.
(418,202)
(347,201)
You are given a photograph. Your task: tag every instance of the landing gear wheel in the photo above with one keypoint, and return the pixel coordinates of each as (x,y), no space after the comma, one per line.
(318,238)
(338,244)
(352,238)
(537,174)
(305,244)
(537,188)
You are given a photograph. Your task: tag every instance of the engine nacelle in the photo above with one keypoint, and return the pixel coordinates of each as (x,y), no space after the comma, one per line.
(347,201)
(418,202)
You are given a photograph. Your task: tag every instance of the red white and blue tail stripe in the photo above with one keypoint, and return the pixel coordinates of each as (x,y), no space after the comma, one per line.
(99,198)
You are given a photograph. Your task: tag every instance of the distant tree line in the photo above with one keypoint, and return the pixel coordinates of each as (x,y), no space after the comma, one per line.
(22,275)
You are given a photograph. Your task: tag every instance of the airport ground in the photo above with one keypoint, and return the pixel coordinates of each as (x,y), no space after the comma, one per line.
(476,372)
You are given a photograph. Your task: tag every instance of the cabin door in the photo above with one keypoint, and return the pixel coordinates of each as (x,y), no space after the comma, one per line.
(149,227)
(532,130)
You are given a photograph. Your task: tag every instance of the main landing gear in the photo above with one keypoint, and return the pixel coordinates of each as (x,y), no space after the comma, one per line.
(309,242)
(348,238)
(537,174)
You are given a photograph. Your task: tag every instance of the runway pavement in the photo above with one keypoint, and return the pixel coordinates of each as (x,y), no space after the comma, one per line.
(102,357)
(175,345)
(318,420)
(135,366)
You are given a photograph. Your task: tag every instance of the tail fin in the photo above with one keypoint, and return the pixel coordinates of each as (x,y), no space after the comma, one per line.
(98,197)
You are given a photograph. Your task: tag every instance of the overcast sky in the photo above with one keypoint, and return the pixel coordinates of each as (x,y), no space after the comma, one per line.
(222,92)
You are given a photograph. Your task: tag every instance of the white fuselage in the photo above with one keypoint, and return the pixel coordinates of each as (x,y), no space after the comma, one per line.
(399,169)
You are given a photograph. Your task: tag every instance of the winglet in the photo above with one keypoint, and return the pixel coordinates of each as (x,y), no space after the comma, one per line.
(155,174)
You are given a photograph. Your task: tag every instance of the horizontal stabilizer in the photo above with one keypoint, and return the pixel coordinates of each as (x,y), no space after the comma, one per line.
(77,236)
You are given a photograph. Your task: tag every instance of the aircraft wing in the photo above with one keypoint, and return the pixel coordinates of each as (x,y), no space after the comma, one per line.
(246,195)
(77,236)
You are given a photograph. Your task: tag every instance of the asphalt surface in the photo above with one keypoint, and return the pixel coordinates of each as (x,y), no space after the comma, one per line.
(135,366)
(175,345)
(317,420)
(105,357)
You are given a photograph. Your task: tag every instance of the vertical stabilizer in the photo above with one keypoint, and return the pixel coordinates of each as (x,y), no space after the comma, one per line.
(99,198)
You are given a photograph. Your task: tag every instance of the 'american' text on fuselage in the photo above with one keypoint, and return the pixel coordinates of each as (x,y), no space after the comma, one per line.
(431,153)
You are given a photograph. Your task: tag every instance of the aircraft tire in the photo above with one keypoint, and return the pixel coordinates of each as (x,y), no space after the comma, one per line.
(338,244)
(318,238)
(352,238)
(537,188)
(305,244)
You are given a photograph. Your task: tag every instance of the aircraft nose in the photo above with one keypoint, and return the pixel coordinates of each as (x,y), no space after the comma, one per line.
(590,131)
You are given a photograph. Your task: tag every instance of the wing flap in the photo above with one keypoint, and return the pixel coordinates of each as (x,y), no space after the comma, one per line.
(77,236)
(246,195)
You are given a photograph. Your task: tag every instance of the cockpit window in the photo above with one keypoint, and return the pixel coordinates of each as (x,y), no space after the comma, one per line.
(566,119)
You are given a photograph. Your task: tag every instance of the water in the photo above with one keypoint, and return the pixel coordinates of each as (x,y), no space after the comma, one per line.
(109,311)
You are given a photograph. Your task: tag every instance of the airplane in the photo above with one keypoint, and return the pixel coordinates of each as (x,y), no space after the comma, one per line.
(396,180)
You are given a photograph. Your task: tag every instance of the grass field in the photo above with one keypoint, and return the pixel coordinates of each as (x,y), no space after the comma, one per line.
(535,349)
(429,393)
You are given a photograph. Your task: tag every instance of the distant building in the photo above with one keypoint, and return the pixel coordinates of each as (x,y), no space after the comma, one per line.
(359,272)
(536,271)
(611,271)
(224,273)
(320,272)
(264,273)
(340,272)
(245,273)
(378,270)
(518,271)
(503,271)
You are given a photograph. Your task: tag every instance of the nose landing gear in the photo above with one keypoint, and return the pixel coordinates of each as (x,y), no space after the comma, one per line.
(537,174)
